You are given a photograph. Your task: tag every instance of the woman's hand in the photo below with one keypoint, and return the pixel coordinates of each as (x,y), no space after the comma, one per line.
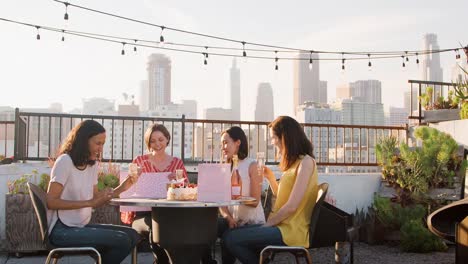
(102,197)
(171,176)
(231,222)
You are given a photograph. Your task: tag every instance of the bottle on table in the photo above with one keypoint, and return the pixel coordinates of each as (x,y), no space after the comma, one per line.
(236,181)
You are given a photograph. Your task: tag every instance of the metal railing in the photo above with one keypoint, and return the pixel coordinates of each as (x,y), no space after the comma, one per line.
(417,88)
(39,135)
(7,138)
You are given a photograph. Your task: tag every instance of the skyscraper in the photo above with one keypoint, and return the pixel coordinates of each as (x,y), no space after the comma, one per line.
(306,83)
(235,90)
(369,91)
(159,80)
(431,70)
(264,110)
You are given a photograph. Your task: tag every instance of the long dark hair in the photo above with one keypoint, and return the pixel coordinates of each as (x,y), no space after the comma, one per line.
(293,140)
(156,127)
(76,144)
(236,133)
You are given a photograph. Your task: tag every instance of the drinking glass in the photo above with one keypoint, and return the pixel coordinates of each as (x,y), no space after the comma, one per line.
(180,176)
(133,169)
(260,162)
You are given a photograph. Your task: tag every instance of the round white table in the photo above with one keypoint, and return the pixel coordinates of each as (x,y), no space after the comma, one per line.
(184,228)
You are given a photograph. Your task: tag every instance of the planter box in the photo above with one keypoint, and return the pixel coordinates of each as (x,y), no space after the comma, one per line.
(435,116)
(22,228)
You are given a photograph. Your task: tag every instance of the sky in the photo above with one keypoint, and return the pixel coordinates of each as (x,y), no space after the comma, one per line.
(34,74)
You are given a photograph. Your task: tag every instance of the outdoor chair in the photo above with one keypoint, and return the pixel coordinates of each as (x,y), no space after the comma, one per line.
(269,252)
(38,199)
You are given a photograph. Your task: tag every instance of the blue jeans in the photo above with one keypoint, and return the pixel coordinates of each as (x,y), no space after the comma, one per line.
(113,242)
(246,242)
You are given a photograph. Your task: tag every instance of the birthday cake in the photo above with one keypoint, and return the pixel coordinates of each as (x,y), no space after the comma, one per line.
(177,192)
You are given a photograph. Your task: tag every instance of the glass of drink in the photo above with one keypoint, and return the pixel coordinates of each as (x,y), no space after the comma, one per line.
(260,162)
(180,176)
(133,169)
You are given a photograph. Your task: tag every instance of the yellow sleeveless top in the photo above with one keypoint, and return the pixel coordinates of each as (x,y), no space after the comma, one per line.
(295,228)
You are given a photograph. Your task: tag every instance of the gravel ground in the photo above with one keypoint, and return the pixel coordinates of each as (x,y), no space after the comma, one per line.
(377,254)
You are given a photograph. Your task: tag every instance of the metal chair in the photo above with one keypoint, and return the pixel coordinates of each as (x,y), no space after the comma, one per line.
(269,252)
(38,198)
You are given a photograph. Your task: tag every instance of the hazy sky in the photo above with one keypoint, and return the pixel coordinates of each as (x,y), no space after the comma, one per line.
(36,73)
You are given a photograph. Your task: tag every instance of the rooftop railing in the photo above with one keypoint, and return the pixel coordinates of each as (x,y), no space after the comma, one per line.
(37,136)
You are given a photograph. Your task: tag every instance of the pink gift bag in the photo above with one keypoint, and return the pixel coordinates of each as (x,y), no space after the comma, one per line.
(149,185)
(214,182)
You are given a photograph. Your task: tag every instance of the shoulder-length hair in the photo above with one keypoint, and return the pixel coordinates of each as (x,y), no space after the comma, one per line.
(236,133)
(156,127)
(76,144)
(293,140)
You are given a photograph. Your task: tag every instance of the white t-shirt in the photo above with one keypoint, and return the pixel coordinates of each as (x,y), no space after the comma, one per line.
(77,186)
(244,214)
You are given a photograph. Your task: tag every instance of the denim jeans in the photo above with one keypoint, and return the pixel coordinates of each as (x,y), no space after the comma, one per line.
(246,242)
(113,242)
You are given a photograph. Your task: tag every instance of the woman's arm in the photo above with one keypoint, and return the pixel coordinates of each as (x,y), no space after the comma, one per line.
(224,211)
(299,189)
(255,184)
(270,176)
(54,202)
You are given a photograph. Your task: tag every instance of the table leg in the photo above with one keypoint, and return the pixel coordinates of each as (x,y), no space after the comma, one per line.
(184,232)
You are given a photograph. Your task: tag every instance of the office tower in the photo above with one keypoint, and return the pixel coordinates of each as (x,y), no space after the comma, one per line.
(431,70)
(264,109)
(98,106)
(396,116)
(355,111)
(306,83)
(159,80)
(235,90)
(369,90)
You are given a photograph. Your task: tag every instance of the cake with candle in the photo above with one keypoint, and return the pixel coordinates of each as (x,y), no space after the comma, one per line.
(177,192)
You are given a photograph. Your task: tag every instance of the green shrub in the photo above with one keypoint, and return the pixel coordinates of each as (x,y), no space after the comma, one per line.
(415,237)
(393,215)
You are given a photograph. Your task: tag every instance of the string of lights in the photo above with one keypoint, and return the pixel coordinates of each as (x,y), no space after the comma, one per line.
(273,48)
(135,42)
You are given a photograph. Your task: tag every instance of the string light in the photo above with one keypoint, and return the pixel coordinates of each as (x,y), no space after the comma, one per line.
(123,48)
(161,37)
(370,63)
(342,62)
(63,35)
(403,58)
(38,36)
(457,55)
(135,47)
(66,11)
(417,59)
(406,56)
(276,60)
(310,60)
(205,56)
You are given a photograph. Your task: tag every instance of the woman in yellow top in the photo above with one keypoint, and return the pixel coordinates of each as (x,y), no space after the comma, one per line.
(296,192)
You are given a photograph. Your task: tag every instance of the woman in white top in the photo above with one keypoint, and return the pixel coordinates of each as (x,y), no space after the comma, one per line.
(234,142)
(73,193)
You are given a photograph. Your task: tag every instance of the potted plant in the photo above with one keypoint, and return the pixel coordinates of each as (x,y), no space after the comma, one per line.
(108,177)
(414,173)
(439,108)
(21,227)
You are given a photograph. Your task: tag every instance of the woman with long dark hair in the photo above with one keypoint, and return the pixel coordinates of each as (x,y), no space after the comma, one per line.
(73,193)
(295,194)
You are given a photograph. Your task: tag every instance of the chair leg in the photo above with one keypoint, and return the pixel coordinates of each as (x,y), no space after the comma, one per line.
(135,255)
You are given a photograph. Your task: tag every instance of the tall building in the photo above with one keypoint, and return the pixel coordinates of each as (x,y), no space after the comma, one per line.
(264,109)
(235,90)
(396,116)
(322,92)
(354,111)
(369,91)
(98,106)
(143,96)
(306,83)
(159,80)
(431,70)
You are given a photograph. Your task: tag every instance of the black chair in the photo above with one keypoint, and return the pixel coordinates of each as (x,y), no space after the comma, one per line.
(269,252)
(38,198)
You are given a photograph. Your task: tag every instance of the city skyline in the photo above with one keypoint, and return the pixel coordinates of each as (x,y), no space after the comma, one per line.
(49,71)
